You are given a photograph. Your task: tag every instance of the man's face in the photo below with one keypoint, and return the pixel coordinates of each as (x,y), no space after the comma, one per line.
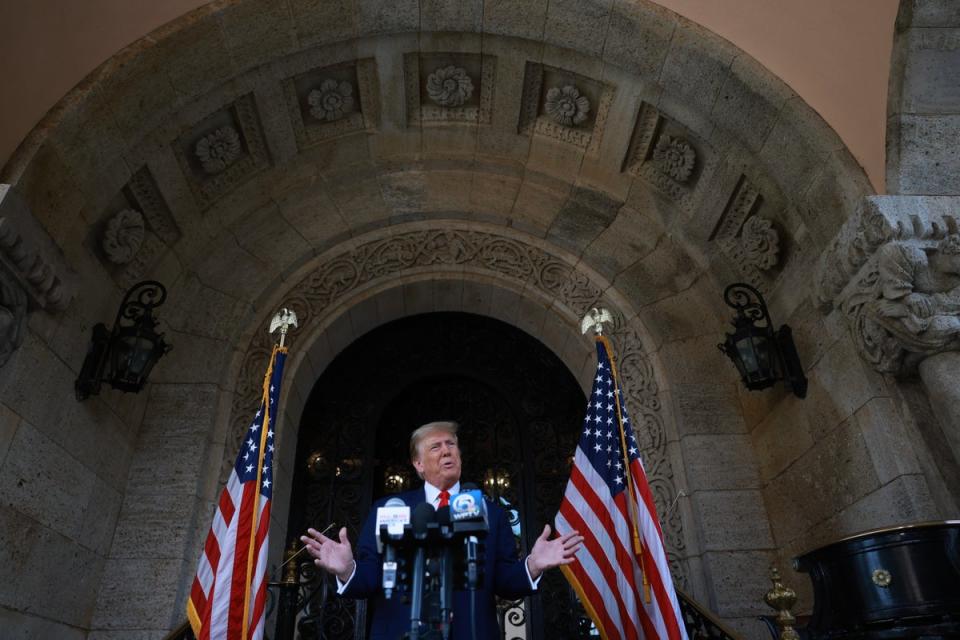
(438,459)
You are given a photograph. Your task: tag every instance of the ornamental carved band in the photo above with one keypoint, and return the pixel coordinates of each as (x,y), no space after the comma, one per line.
(487,254)
(894,273)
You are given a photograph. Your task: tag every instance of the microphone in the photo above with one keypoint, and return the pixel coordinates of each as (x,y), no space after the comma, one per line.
(423,516)
(468,511)
(392,520)
(393,516)
(446,572)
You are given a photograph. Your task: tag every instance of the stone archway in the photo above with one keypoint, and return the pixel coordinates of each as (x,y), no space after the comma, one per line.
(544,277)
(644,208)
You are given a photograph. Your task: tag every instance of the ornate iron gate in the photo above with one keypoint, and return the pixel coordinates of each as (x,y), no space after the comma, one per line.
(519,409)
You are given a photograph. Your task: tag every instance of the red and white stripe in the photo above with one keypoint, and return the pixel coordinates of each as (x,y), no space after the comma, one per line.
(219,590)
(607,574)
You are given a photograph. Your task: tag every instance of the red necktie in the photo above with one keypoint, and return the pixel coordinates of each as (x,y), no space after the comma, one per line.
(444,499)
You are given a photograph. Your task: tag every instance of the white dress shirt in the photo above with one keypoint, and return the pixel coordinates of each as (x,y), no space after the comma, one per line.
(432,495)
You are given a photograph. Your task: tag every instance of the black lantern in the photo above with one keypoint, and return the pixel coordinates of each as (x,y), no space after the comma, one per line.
(762,356)
(124,357)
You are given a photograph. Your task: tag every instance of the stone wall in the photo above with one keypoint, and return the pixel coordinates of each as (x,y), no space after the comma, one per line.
(63,468)
(844,459)
(923,105)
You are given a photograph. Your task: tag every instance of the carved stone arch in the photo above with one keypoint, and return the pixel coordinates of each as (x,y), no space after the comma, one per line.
(423,254)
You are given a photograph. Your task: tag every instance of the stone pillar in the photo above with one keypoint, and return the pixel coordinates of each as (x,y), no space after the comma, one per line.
(941,378)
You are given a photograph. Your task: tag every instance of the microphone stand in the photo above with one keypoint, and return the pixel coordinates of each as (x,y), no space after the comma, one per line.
(423,515)
(446,571)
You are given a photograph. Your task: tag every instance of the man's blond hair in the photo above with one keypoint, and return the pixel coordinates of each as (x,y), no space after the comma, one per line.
(447,426)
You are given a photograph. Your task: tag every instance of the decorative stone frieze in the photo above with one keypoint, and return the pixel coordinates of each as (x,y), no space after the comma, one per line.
(666,155)
(123,236)
(329,102)
(222,151)
(448,88)
(30,257)
(749,240)
(894,272)
(564,106)
(488,253)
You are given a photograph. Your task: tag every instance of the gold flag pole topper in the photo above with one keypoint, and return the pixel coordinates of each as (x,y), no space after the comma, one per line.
(595,319)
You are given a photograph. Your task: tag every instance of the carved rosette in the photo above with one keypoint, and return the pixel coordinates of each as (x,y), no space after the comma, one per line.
(505,258)
(894,273)
(759,243)
(123,236)
(566,106)
(749,240)
(449,86)
(668,156)
(676,157)
(332,101)
(573,110)
(218,150)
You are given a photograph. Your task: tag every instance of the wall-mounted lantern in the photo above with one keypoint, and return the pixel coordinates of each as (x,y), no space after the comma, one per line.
(762,356)
(124,356)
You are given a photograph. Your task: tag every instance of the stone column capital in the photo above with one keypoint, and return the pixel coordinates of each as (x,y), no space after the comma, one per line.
(893,270)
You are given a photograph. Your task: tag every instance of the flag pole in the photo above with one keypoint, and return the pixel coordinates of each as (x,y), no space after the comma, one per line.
(595,319)
(283,320)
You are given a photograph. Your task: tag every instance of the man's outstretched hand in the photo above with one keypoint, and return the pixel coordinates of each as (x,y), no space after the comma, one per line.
(547,553)
(336,556)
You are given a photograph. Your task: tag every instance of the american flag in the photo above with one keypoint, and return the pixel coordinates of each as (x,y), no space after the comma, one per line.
(229,592)
(620,574)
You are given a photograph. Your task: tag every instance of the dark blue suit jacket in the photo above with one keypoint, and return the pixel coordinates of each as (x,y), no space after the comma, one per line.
(504,575)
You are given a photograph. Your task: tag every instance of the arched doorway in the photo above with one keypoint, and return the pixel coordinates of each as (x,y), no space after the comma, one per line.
(520,411)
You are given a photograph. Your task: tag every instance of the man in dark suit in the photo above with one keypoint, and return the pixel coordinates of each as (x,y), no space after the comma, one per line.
(436,457)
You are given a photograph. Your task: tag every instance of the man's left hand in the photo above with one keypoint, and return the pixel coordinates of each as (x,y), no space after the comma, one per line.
(547,553)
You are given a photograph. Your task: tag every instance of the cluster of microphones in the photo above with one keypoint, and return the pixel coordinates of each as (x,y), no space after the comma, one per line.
(428,553)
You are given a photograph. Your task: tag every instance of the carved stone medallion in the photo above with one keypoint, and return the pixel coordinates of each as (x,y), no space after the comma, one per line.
(333,101)
(448,88)
(667,156)
(565,106)
(223,150)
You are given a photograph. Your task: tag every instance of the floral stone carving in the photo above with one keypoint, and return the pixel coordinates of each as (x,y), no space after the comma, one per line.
(566,106)
(331,101)
(676,157)
(759,243)
(449,86)
(218,150)
(894,273)
(123,236)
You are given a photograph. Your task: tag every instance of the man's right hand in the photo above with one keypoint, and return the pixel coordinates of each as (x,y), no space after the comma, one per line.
(332,555)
